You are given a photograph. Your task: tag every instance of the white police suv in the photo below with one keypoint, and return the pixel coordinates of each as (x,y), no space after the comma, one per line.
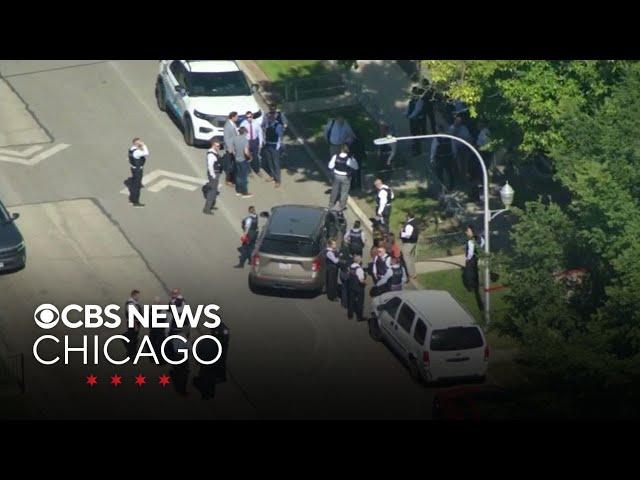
(202,93)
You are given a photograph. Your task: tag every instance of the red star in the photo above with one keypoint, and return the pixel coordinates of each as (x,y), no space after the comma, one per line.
(140,380)
(92,380)
(116,380)
(164,380)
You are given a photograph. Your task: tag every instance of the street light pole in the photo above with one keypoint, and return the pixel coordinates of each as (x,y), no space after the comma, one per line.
(487,212)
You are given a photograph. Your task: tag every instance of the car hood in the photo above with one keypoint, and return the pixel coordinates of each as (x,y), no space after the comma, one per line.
(224,105)
(9,235)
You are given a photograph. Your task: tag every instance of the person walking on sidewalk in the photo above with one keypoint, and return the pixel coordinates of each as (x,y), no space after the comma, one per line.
(409,237)
(338,132)
(470,276)
(356,285)
(242,155)
(248,237)
(254,135)
(386,152)
(230,132)
(342,165)
(214,169)
(138,153)
(273,131)
(417,118)
(384,198)
(331,268)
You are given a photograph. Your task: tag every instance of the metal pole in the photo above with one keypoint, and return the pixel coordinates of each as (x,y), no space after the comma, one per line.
(487,213)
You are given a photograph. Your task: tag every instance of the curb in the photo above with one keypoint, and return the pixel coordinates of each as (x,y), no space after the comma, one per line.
(351,203)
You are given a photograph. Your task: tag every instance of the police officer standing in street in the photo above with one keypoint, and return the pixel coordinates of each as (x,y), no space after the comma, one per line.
(355,239)
(331,268)
(214,169)
(249,236)
(132,330)
(356,283)
(157,334)
(138,153)
(384,198)
(409,237)
(343,165)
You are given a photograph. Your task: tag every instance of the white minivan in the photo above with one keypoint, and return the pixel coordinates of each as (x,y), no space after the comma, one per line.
(437,338)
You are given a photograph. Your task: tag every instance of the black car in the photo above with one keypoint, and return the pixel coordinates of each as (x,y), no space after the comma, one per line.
(13,254)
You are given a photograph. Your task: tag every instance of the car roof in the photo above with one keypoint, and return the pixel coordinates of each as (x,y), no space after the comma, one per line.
(296,219)
(438,308)
(212,66)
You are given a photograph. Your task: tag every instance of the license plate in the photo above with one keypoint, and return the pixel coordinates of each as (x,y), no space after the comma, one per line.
(285,266)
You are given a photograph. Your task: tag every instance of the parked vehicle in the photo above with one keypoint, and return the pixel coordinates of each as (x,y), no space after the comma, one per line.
(432,333)
(13,253)
(202,93)
(290,250)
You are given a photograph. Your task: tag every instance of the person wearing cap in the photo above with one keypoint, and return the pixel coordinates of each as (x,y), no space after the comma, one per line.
(342,165)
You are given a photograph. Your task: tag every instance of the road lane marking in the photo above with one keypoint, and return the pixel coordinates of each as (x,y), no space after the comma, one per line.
(174,180)
(15,156)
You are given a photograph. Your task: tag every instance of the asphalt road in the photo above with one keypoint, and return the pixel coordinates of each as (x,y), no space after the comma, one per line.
(289,357)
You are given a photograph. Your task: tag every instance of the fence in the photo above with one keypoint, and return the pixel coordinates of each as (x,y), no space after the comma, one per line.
(330,85)
(12,370)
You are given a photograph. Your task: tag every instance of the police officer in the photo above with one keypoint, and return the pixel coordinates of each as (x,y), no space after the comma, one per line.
(214,169)
(409,237)
(470,277)
(381,272)
(157,335)
(355,239)
(138,153)
(384,198)
(249,236)
(273,132)
(398,275)
(343,165)
(357,281)
(132,330)
(343,275)
(331,269)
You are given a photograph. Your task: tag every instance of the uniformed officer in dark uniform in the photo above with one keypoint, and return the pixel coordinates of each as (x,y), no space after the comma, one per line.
(214,169)
(249,236)
(355,239)
(331,269)
(470,277)
(381,272)
(398,275)
(138,153)
(357,281)
(384,199)
(132,331)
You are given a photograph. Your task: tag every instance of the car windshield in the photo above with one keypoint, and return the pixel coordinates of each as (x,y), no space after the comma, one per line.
(4,215)
(225,84)
(289,246)
(456,338)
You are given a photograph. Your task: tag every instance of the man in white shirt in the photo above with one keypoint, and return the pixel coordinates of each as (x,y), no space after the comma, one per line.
(342,165)
(338,132)
(384,198)
(256,140)
(214,169)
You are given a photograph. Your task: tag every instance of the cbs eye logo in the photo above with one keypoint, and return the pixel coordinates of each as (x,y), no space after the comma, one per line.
(46,316)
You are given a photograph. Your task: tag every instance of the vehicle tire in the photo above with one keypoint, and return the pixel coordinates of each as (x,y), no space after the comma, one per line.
(374,329)
(188,132)
(162,101)
(413,370)
(253,287)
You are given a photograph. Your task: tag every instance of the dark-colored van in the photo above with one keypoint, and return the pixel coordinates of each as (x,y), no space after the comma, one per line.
(289,253)
(13,254)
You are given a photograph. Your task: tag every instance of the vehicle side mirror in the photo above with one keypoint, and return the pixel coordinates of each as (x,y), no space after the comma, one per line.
(15,216)
(255,87)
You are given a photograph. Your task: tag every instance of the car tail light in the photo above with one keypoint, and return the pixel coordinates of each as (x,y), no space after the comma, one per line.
(425,358)
(315,266)
(486,353)
(255,261)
